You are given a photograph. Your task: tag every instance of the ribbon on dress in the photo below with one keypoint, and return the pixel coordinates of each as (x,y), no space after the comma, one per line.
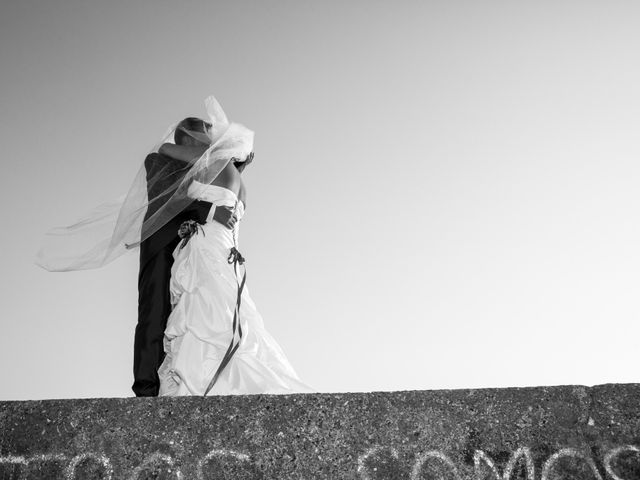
(235,257)
(187,230)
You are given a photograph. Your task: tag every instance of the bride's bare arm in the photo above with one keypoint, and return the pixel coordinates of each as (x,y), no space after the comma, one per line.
(186,153)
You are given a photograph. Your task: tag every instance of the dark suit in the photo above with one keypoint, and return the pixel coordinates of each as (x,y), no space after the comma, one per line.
(156,260)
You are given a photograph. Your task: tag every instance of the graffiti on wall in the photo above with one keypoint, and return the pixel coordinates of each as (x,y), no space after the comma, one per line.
(375,463)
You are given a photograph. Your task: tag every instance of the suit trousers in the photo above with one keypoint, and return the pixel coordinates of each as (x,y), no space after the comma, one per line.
(154,308)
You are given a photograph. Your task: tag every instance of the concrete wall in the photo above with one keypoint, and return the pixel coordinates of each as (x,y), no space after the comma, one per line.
(545,433)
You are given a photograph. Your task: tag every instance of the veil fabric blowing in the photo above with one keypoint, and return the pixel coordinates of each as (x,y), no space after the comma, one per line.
(155,197)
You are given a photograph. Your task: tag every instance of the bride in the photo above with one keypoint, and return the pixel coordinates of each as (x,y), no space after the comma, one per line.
(215,341)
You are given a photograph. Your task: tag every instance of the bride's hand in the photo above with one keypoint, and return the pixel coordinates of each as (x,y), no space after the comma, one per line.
(247,160)
(242,165)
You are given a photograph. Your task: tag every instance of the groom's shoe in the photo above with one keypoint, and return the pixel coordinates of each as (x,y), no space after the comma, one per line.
(145,389)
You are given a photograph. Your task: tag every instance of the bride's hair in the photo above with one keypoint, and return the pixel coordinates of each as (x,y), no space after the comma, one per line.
(193,124)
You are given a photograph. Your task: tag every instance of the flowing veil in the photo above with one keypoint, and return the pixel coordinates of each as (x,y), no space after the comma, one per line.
(155,197)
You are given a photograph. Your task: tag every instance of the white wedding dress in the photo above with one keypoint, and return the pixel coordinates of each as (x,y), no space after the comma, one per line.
(204,292)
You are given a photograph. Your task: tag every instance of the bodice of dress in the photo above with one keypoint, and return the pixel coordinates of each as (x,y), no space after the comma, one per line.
(216,195)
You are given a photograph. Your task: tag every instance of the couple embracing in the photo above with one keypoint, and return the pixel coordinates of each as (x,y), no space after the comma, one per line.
(198,331)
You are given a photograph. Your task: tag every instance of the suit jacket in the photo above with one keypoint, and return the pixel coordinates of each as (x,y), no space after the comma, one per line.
(167,235)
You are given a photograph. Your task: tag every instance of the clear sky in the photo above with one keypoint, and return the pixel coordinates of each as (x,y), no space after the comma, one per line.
(444,194)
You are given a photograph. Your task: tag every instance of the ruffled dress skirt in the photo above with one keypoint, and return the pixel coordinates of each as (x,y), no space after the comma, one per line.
(204,293)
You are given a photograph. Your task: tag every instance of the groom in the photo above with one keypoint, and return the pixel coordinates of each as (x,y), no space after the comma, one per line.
(156,259)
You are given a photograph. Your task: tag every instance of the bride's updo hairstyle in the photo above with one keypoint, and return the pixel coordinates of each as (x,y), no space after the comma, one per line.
(191,128)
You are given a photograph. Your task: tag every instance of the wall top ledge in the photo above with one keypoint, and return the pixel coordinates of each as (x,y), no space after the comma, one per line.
(524,433)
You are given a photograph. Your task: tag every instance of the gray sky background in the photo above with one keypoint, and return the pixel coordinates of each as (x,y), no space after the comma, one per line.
(444,195)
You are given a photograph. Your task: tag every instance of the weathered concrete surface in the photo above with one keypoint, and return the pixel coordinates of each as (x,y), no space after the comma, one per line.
(546,433)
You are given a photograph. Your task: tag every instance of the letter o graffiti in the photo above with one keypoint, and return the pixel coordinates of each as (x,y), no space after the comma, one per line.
(70,473)
(219,453)
(568,452)
(608,458)
(420,461)
(372,451)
